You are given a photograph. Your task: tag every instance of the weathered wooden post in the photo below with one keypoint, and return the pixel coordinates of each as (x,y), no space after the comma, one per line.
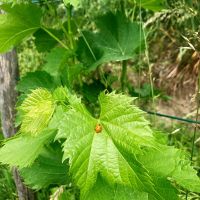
(8,97)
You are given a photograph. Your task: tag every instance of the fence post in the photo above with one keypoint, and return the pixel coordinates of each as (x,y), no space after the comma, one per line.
(8,97)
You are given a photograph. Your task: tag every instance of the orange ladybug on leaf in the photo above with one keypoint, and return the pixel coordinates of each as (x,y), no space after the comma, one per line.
(98,128)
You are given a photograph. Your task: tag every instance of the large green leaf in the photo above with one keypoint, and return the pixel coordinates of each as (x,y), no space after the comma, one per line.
(47,169)
(155,5)
(60,96)
(164,188)
(57,117)
(22,150)
(171,163)
(111,152)
(121,148)
(104,191)
(36,110)
(117,39)
(185,175)
(20,21)
(44,42)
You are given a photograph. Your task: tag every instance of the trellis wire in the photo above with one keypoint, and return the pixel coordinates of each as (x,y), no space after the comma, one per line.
(191,121)
(51,1)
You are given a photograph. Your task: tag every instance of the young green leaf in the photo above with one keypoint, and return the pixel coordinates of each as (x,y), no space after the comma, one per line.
(57,117)
(22,150)
(47,169)
(118,39)
(17,23)
(106,145)
(37,109)
(60,95)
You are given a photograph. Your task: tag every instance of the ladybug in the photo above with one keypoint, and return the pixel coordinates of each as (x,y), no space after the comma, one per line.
(98,128)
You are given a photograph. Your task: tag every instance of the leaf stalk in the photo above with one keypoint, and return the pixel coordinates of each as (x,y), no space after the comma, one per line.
(124,75)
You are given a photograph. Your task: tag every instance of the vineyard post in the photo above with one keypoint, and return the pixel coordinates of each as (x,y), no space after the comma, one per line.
(8,98)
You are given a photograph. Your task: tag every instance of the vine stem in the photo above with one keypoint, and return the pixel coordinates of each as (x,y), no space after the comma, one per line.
(195,126)
(148,62)
(140,49)
(69,26)
(123,75)
(85,40)
(150,73)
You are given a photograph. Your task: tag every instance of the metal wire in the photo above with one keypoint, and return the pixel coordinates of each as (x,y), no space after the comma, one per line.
(43,2)
(191,121)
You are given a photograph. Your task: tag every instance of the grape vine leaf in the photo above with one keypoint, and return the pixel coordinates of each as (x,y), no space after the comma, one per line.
(22,150)
(58,67)
(47,169)
(60,95)
(112,153)
(105,191)
(44,42)
(117,39)
(121,148)
(171,163)
(36,110)
(20,21)
(184,174)
(72,74)
(91,91)
(34,80)
(164,188)
(154,5)
(55,121)
(56,60)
